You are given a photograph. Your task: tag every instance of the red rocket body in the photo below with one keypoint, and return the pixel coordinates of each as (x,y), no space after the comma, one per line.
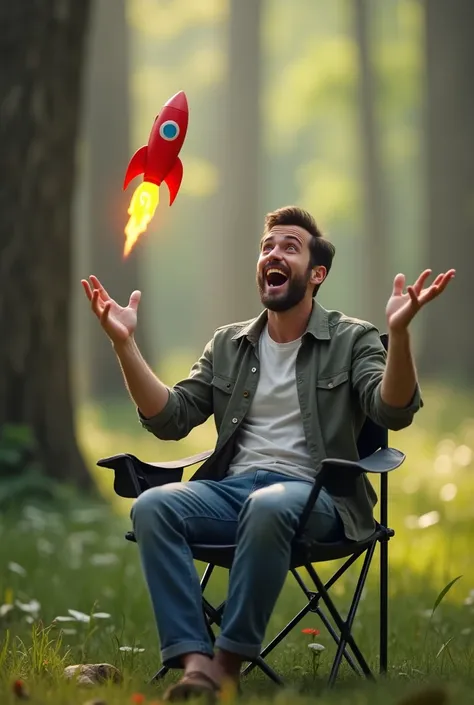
(158,160)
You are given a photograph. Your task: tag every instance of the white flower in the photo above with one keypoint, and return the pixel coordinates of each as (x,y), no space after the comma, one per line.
(16,568)
(5,609)
(133,649)
(316,647)
(32,607)
(103,559)
(79,616)
(101,615)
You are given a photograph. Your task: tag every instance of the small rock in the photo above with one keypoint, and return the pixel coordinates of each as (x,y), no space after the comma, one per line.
(93,673)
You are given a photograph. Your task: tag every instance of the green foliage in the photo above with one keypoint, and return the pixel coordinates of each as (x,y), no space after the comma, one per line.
(20,471)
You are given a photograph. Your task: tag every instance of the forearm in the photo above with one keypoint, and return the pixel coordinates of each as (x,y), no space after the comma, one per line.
(399,380)
(149,394)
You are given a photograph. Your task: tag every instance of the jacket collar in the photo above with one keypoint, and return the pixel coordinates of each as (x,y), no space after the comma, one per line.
(318,325)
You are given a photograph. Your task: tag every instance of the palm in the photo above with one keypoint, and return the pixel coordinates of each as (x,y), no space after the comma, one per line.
(403,306)
(119,322)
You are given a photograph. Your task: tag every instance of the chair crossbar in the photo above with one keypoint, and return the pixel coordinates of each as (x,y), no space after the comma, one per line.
(314,599)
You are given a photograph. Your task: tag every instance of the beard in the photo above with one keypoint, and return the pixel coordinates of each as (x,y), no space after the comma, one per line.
(290,295)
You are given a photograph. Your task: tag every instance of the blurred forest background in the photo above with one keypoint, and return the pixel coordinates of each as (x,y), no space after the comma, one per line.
(360,111)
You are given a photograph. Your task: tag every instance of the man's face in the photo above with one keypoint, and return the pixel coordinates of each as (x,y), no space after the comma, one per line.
(284,272)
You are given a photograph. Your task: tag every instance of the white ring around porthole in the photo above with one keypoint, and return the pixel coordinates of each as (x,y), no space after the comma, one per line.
(169,130)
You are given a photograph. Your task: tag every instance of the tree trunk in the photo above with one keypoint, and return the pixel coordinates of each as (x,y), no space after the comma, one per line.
(448,341)
(41,44)
(377,286)
(107,141)
(240,220)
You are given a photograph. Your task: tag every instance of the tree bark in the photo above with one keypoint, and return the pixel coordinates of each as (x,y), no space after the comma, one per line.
(377,286)
(41,45)
(107,141)
(240,220)
(448,341)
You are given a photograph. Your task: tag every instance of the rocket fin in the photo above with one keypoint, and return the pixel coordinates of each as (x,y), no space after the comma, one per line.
(136,166)
(173,179)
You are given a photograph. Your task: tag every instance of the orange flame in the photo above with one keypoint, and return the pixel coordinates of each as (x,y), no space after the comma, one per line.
(141,210)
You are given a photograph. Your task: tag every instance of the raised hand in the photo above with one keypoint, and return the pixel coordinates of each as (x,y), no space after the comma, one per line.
(118,322)
(403,306)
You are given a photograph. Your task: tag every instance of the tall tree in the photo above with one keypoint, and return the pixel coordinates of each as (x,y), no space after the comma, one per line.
(239,196)
(106,135)
(377,287)
(448,341)
(42,46)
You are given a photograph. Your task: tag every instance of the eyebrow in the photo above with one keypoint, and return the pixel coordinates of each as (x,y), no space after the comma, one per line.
(268,238)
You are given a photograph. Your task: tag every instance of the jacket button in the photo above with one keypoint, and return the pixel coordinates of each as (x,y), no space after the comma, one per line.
(234,420)
(254,369)
(330,385)
(246,394)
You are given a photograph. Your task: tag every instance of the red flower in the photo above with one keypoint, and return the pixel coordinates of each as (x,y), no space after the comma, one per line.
(137,698)
(312,632)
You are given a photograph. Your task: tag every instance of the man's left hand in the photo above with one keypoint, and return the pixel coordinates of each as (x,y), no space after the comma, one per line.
(402,307)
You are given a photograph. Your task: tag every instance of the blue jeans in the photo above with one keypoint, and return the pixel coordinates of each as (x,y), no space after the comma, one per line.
(258,511)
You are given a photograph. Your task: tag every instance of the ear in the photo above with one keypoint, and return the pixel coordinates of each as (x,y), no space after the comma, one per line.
(318,275)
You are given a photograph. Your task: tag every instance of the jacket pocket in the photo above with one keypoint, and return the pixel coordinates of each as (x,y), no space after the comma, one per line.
(333,381)
(223,384)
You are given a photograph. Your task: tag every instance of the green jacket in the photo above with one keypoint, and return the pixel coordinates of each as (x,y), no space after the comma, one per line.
(339,371)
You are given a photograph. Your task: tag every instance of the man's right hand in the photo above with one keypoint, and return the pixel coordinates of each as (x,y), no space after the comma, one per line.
(118,322)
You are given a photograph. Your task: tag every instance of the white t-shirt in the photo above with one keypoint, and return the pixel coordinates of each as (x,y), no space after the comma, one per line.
(271,436)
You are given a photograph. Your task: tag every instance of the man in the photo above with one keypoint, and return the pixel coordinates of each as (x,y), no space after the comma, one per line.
(287,389)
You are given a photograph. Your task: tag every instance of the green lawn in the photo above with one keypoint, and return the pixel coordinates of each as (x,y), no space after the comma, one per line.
(53,561)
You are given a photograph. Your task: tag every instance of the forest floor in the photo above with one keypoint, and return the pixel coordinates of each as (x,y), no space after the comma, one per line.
(72,590)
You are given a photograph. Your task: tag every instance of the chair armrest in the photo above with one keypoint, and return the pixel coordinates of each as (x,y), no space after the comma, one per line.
(133,476)
(338,476)
(382,461)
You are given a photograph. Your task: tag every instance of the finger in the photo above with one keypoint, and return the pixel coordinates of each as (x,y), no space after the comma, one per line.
(415,299)
(439,279)
(398,284)
(97,285)
(105,314)
(429,294)
(96,304)
(87,288)
(446,279)
(135,299)
(418,285)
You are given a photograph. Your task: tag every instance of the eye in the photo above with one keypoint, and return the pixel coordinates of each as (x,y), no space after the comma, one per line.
(169,130)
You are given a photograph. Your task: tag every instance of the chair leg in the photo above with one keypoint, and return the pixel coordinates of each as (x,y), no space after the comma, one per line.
(279,637)
(345,626)
(159,674)
(383,607)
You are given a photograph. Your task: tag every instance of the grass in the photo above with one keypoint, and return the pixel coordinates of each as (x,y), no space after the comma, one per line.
(74,563)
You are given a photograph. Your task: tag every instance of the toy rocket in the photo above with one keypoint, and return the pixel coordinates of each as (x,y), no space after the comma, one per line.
(158,161)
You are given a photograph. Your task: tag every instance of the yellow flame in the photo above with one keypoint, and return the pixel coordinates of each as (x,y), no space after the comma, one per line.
(141,210)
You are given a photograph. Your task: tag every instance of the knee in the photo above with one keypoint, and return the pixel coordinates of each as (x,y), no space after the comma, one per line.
(150,506)
(266,509)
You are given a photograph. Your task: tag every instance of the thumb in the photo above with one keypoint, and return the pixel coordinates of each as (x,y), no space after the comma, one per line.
(398,284)
(135,299)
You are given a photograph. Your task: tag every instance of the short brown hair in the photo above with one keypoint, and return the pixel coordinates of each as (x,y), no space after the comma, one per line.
(321,250)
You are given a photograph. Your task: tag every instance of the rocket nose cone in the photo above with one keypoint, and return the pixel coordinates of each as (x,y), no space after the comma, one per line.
(178,101)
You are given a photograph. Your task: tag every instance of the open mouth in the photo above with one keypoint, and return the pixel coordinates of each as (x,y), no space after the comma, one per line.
(275,278)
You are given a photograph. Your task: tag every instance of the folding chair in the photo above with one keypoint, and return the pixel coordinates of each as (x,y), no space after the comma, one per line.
(133,476)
